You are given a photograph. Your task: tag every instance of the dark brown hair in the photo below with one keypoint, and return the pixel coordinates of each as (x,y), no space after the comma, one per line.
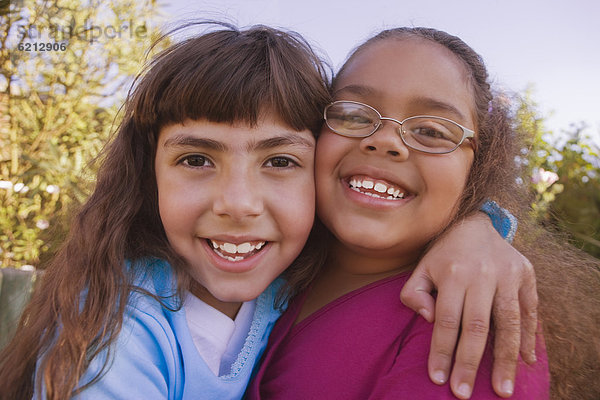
(568,279)
(226,75)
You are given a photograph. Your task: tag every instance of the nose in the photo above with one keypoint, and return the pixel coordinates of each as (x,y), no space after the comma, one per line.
(238,196)
(386,142)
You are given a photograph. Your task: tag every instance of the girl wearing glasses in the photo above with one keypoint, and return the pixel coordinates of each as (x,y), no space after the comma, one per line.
(414,141)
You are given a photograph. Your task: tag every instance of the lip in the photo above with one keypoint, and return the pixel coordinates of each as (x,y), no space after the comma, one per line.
(236,239)
(236,267)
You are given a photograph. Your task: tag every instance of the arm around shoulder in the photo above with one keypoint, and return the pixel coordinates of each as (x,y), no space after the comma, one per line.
(407,377)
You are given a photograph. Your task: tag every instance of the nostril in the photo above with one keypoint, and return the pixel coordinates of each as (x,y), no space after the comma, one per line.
(393,153)
(372,148)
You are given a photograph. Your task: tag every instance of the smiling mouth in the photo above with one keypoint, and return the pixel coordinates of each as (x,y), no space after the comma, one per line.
(235,252)
(377,188)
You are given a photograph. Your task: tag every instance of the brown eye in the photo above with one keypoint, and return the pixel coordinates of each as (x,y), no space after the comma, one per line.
(280,162)
(195,160)
(432,133)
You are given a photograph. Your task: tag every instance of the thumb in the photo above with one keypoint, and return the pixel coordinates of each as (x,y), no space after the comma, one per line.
(416,295)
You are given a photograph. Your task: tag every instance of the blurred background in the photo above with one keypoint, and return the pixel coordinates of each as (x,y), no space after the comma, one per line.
(66,66)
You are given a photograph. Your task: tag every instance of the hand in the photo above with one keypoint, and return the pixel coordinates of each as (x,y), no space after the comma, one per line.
(475,272)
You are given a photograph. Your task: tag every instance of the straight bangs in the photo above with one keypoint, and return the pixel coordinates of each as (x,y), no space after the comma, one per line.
(234,76)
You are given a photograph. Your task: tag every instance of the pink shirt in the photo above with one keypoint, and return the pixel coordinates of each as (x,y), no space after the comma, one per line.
(365,345)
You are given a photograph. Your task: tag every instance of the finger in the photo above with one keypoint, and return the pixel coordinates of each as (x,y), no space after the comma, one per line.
(507,327)
(473,338)
(528,301)
(416,295)
(448,311)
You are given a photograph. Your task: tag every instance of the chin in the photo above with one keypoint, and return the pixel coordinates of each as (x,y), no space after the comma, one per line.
(235,295)
(368,241)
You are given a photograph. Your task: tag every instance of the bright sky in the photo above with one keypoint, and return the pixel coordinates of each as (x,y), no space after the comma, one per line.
(553,45)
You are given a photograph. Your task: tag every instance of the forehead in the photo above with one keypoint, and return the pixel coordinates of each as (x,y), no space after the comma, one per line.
(400,70)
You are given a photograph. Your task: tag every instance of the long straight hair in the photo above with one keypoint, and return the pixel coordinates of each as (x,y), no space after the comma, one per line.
(226,75)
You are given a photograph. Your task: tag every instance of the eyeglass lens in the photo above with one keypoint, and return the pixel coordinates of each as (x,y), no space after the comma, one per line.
(429,134)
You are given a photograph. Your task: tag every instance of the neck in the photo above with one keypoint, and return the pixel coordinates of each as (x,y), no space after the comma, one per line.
(347,270)
(228,308)
(360,262)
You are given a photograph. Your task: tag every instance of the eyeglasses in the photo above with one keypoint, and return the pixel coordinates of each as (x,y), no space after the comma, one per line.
(425,133)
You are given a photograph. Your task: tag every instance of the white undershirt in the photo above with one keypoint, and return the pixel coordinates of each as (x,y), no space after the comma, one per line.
(218,338)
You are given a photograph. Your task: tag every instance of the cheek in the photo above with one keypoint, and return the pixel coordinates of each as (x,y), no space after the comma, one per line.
(446,181)
(293,207)
(463,170)
(331,149)
(178,203)
(170,214)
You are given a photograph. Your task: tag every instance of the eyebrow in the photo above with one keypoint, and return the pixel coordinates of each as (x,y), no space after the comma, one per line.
(191,141)
(277,141)
(420,101)
(430,103)
(211,144)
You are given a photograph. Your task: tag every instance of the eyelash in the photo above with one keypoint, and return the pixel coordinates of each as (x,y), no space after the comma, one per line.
(185,161)
(291,162)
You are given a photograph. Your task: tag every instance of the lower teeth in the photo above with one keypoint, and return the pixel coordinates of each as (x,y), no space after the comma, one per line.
(376,195)
(236,258)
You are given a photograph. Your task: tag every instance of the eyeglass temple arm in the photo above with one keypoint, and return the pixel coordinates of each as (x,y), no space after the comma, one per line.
(472,142)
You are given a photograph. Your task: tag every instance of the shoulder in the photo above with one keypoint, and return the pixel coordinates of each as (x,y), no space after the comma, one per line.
(154,286)
(146,349)
(152,274)
(409,371)
(140,363)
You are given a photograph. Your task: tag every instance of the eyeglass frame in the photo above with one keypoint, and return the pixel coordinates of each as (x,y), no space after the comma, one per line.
(467,133)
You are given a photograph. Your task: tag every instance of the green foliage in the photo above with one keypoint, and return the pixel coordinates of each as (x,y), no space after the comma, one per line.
(577,209)
(58,108)
(563,172)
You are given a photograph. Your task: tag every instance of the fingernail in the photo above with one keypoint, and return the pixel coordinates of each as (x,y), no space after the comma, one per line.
(464,390)
(439,377)
(507,387)
(425,314)
(532,356)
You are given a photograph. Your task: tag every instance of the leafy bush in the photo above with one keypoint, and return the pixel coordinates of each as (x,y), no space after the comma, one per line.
(58,108)
(564,174)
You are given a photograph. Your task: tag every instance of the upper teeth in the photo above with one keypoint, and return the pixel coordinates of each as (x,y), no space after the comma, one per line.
(378,187)
(241,248)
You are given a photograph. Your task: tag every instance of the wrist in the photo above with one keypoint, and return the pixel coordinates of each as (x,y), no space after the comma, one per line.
(503,221)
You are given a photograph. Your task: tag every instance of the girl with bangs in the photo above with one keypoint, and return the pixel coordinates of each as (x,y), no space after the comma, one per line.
(168,284)
(414,141)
